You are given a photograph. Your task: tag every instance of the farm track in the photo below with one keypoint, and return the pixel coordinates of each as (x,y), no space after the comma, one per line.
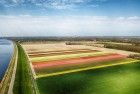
(10,91)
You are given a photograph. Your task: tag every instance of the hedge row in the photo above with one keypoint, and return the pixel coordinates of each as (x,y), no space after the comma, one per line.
(124,47)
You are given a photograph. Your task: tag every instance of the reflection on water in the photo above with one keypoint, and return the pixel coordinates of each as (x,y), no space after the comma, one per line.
(6,50)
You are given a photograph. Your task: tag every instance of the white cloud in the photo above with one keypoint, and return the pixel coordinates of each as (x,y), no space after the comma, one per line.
(68,26)
(133,18)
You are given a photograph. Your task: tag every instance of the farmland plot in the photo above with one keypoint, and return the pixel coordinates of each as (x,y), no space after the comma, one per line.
(71,59)
(68,64)
(74,65)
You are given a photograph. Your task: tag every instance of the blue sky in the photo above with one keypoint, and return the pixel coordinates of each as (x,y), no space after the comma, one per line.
(70,17)
(71,7)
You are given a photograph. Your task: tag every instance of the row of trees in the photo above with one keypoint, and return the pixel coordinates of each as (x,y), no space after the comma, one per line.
(135,56)
(74,43)
(132,48)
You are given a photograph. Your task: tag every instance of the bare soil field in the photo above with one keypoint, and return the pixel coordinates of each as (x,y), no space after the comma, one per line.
(42,47)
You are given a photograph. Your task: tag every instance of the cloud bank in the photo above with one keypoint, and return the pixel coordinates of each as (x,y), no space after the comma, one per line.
(26,25)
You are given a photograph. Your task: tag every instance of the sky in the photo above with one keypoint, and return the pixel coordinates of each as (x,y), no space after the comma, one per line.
(69,18)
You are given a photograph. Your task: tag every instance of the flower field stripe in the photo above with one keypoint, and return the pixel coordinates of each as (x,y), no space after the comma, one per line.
(83,69)
(35,52)
(49,58)
(78,60)
(48,52)
(59,53)
(61,68)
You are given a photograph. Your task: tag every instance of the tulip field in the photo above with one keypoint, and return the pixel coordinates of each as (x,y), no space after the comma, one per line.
(66,61)
(61,66)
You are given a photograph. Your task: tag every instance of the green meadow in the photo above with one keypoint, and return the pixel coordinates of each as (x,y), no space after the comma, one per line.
(121,79)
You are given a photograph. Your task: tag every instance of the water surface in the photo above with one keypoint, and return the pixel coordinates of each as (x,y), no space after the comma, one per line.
(6,50)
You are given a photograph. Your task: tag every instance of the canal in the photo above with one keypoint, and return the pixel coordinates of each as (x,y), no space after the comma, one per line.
(6,51)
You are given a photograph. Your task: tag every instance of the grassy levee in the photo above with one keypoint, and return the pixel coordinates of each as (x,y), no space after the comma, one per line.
(4,85)
(24,81)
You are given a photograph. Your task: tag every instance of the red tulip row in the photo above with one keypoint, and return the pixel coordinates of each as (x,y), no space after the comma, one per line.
(72,63)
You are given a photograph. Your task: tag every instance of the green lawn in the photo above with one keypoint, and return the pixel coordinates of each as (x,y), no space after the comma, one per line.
(122,79)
